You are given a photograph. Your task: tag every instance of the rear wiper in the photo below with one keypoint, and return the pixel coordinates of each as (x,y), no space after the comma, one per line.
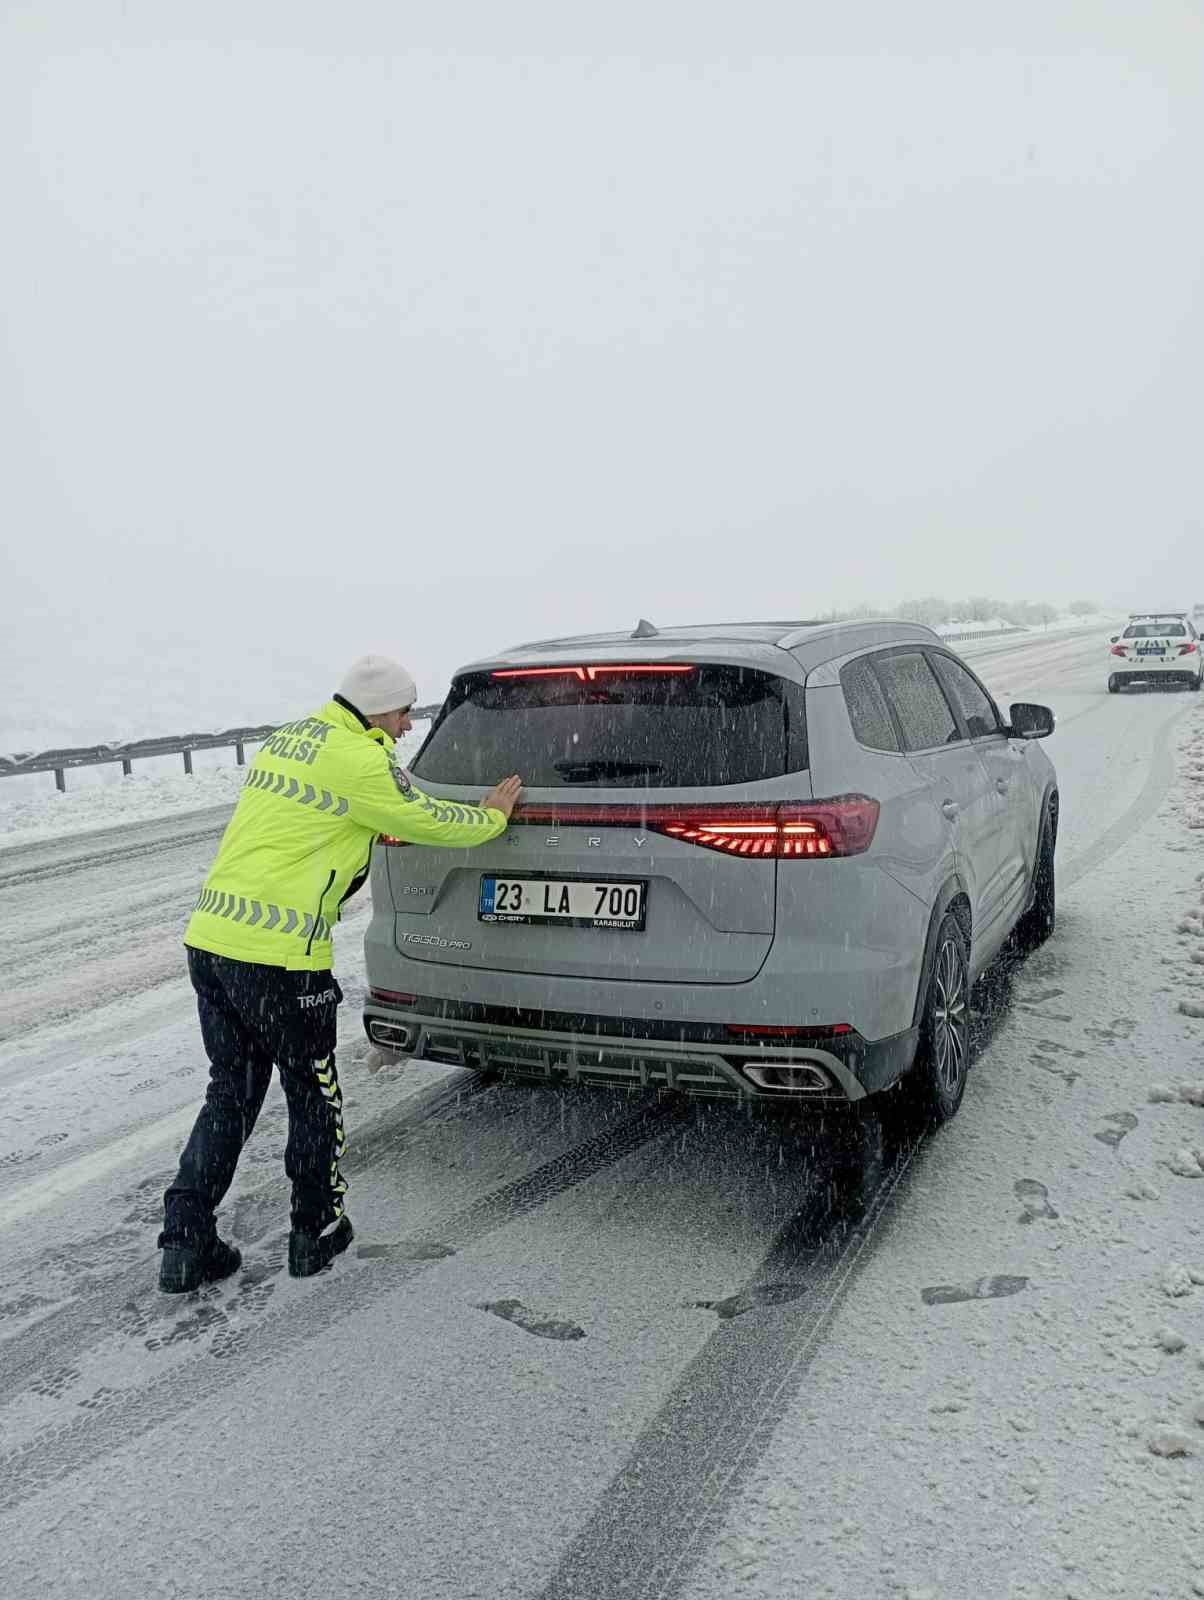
(599,767)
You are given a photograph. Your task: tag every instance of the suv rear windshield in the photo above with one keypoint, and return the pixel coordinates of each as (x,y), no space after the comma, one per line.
(702,726)
(1156,630)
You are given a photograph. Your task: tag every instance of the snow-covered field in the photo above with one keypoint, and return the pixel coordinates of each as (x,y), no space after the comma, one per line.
(592,1345)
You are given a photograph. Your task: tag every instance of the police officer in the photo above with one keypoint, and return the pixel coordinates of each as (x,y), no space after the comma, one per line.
(259,956)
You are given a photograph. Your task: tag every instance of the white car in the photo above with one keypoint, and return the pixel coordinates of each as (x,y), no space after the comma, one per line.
(1161,645)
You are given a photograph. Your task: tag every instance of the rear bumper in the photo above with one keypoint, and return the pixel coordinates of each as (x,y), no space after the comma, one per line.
(1180,669)
(701,1060)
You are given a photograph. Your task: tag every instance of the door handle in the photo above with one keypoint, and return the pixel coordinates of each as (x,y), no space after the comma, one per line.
(950,808)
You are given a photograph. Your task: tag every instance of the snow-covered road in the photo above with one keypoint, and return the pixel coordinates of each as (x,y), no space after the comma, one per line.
(592,1345)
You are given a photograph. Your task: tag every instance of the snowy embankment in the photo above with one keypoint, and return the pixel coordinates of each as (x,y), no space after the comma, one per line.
(993,625)
(1102,622)
(138,798)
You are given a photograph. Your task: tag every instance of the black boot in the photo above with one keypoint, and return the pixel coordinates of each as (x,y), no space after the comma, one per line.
(310,1252)
(187,1267)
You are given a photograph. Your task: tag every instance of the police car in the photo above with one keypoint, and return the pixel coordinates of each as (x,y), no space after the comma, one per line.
(1156,645)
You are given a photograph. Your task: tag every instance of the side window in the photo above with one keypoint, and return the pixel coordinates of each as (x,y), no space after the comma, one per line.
(869,713)
(918,701)
(976,706)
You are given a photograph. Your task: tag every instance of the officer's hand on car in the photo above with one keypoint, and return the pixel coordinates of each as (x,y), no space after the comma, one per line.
(504,796)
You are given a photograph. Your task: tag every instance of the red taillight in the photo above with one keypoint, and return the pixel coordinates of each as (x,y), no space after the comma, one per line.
(393,996)
(797,830)
(1187,649)
(1119,650)
(758,1030)
(387,838)
(655,669)
(771,838)
(843,827)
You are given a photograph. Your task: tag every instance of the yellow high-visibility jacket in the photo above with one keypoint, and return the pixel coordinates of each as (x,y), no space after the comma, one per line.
(300,840)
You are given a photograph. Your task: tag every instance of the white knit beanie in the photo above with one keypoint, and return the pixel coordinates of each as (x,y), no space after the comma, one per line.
(374,684)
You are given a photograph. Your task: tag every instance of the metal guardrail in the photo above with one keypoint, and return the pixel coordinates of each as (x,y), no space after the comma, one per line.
(98,755)
(980,633)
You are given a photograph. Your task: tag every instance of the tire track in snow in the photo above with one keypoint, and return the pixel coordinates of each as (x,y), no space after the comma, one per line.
(668,1500)
(1153,791)
(55,858)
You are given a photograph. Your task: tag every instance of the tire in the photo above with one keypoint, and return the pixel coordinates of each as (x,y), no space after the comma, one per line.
(1196,683)
(937,1081)
(1113,684)
(1037,923)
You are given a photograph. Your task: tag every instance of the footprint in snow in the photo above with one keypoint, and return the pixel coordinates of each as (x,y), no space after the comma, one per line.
(17,1158)
(53,1385)
(1068,1076)
(100,1399)
(406,1250)
(1051,1046)
(760,1294)
(1119,1029)
(530,1321)
(1034,1197)
(950,1294)
(1123,1122)
(22,1305)
(256,1286)
(206,1319)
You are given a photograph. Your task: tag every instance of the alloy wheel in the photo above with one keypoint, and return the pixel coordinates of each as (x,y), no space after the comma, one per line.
(950,1017)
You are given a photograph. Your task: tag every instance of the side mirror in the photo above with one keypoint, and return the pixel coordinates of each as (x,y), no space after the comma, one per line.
(1031,722)
(1115,639)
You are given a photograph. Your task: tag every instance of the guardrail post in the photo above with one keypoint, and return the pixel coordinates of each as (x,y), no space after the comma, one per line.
(127,769)
(60,780)
(240,753)
(188,762)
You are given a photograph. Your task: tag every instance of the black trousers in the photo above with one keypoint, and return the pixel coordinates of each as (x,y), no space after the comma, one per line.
(251,1017)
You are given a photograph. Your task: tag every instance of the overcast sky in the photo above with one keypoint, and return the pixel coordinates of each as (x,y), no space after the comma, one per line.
(433,328)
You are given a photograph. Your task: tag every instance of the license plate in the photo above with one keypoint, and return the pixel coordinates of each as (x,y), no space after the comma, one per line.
(1151,650)
(616,903)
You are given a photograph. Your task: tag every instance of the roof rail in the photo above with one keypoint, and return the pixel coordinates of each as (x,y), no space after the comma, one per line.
(802,629)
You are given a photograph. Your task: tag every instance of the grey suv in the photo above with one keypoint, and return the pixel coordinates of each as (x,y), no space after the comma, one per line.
(758,859)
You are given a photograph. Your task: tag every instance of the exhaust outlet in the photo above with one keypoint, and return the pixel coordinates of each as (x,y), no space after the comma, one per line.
(390,1035)
(798,1077)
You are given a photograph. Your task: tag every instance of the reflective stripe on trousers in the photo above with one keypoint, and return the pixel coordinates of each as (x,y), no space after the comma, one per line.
(328,1082)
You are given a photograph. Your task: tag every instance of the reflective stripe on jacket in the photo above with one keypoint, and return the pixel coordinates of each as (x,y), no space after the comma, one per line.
(315,798)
